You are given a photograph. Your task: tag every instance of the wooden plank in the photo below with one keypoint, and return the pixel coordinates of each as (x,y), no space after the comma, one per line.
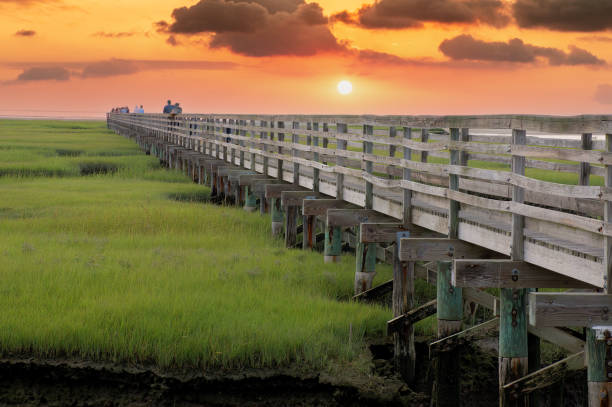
(433,249)
(569,309)
(275,191)
(353,217)
(319,207)
(247,179)
(481,298)
(453,185)
(544,377)
(375,293)
(509,274)
(412,316)
(460,338)
(558,337)
(295,198)
(387,232)
(258,186)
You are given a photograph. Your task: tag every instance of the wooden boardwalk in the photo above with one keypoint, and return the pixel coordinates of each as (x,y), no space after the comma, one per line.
(467,202)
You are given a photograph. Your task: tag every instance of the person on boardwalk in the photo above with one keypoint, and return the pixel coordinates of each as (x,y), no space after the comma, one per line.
(177,109)
(168,108)
(139,109)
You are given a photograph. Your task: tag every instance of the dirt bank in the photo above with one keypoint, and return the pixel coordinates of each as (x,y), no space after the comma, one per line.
(370,381)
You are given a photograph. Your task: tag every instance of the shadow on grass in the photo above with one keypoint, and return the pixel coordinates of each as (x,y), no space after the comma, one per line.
(96,168)
(191,196)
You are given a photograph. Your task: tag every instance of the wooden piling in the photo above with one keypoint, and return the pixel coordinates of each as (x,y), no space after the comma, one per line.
(277,216)
(402,302)
(365,253)
(450,314)
(599,383)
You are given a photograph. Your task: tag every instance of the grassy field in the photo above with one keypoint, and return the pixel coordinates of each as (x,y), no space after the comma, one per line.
(106,256)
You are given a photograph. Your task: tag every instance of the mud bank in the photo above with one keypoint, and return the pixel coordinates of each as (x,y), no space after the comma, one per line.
(370,382)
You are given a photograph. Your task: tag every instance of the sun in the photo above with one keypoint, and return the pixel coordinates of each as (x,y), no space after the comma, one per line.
(345,87)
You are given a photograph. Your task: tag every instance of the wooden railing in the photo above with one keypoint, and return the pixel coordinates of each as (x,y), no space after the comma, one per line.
(448,174)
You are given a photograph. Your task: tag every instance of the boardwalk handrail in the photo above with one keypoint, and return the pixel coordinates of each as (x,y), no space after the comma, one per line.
(566,228)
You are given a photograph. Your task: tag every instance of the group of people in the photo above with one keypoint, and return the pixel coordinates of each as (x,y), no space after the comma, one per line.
(172,108)
(125,109)
(168,109)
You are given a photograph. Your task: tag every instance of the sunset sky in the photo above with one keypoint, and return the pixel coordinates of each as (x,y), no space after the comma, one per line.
(80,58)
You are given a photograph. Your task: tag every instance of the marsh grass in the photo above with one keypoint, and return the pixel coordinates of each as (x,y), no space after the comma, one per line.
(132,265)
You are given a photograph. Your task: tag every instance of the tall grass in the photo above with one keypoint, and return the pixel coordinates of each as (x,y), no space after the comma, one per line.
(130,265)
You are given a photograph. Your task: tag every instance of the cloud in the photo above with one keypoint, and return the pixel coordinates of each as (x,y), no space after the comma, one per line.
(466,47)
(44,74)
(62,71)
(595,38)
(25,33)
(113,67)
(603,94)
(103,34)
(398,14)
(257,27)
(564,15)
(26,2)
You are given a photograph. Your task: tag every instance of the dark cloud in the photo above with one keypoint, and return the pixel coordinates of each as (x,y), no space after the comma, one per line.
(103,34)
(564,15)
(257,27)
(218,16)
(172,41)
(397,14)
(113,67)
(25,33)
(603,94)
(466,47)
(44,74)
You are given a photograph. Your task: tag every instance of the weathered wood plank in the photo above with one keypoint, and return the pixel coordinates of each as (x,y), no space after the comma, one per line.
(275,191)
(569,309)
(558,337)
(509,274)
(375,293)
(412,316)
(544,377)
(353,217)
(387,232)
(247,179)
(460,338)
(433,249)
(319,207)
(295,198)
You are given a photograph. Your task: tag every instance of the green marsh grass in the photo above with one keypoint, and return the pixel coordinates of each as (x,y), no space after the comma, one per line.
(133,266)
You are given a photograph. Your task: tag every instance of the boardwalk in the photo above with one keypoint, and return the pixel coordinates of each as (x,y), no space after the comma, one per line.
(467,201)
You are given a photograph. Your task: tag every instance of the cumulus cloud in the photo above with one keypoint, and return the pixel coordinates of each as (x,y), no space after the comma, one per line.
(466,47)
(564,15)
(25,33)
(603,94)
(397,14)
(257,27)
(113,67)
(44,74)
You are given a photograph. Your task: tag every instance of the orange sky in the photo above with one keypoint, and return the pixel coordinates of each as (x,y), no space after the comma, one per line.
(83,57)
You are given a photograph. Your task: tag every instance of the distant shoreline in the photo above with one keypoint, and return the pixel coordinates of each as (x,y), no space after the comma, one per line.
(66,118)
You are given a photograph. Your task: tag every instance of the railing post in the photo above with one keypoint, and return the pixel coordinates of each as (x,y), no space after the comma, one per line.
(585,168)
(333,235)
(365,253)
(281,163)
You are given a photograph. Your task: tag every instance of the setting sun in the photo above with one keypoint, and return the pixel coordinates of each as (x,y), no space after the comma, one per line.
(345,87)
